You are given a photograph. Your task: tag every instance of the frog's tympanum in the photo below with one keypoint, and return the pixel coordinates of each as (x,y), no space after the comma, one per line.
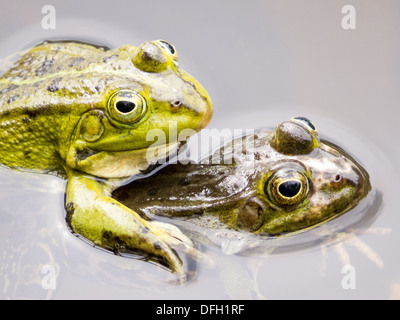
(280,182)
(84,112)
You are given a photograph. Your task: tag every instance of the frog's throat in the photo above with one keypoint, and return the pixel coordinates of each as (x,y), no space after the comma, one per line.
(122,164)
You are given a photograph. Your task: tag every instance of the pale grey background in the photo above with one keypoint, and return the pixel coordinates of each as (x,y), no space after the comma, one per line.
(262,62)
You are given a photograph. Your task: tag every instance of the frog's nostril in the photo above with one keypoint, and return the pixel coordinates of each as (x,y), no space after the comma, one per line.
(176,103)
(338,177)
(191,84)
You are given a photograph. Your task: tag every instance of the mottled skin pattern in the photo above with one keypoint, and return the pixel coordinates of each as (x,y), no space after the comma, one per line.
(84,112)
(322,181)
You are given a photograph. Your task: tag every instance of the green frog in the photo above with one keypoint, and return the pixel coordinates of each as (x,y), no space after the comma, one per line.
(85,112)
(271,183)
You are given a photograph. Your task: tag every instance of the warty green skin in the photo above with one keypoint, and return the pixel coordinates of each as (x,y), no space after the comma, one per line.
(236,193)
(59,113)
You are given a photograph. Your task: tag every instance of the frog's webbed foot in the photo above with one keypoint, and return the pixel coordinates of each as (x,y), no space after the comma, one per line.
(93,214)
(177,239)
(174,246)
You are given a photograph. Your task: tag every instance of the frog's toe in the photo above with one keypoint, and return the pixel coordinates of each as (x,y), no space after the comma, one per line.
(178,244)
(174,233)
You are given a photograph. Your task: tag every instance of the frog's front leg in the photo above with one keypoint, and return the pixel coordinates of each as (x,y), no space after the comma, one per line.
(92,213)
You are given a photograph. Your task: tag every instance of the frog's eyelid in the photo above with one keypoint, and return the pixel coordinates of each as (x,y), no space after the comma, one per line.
(153,57)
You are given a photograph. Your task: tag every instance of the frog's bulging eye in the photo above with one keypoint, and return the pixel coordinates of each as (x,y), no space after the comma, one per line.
(295,137)
(155,56)
(287,187)
(151,58)
(127,106)
(168,48)
(306,122)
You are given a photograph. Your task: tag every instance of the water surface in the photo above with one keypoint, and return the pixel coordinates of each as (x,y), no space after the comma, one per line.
(262,62)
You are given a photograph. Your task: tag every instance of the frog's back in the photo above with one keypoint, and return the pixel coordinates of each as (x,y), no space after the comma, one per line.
(54,71)
(50,58)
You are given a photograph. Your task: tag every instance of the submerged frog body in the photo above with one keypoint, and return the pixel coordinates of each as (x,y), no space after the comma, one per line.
(280,181)
(84,112)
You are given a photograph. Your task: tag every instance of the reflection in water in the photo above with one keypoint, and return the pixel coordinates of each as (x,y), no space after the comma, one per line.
(349,237)
(30,245)
(394,291)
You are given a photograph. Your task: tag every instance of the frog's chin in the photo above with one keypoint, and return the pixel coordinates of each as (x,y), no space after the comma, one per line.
(125,164)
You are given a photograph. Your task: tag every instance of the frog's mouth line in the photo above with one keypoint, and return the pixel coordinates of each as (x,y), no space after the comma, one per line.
(124,164)
(170,158)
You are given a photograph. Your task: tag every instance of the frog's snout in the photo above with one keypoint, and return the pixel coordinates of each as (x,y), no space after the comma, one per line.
(195,100)
(343,188)
(205,112)
(361,181)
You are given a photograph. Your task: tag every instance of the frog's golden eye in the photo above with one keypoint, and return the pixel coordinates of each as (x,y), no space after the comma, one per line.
(168,48)
(127,106)
(287,187)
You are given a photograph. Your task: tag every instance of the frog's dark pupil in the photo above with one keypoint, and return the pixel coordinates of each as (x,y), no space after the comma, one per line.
(289,188)
(170,47)
(309,123)
(125,106)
